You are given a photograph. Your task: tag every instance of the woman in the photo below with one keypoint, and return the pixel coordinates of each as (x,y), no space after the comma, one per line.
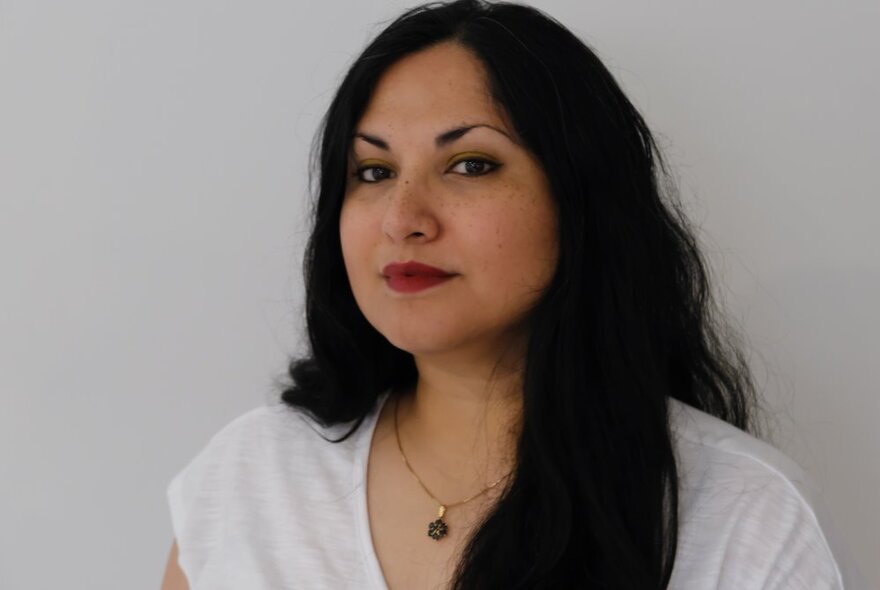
(515,379)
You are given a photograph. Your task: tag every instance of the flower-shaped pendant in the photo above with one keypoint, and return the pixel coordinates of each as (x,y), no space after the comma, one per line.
(438,529)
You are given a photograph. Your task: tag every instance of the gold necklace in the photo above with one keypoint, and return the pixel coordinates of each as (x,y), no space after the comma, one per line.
(438,528)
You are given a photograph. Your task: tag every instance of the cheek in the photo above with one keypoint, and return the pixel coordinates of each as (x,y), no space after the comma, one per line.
(353,236)
(517,244)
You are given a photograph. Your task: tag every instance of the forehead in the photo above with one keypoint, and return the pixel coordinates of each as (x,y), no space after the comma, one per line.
(435,88)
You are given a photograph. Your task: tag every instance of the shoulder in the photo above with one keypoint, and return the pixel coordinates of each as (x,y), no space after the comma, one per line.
(267,438)
(268,471)
(273,424)
(749,516)
(708,446)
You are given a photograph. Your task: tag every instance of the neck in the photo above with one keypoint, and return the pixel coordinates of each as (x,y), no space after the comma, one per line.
(460,424)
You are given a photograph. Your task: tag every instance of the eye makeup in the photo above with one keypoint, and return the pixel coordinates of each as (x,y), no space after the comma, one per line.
(385,170)
(474,157)
(371,164)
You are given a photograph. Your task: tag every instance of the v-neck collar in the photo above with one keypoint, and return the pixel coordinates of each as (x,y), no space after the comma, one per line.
(368,550)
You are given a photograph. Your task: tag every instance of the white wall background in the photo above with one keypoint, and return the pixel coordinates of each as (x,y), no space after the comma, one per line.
(152,197)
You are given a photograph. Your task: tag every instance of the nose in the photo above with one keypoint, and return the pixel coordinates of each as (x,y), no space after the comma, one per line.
(409,214)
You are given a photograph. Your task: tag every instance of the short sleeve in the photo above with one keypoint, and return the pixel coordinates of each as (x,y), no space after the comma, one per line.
(750,518)
(198,498)
(809,551)
(778,544)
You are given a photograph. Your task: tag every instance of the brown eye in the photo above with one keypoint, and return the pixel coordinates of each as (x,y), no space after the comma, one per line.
(474,167)
(373,173)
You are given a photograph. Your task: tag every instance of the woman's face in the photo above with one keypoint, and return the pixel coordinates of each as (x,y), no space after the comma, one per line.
(436,176)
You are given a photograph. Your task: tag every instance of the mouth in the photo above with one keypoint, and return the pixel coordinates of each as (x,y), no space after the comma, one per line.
(413,268)
(411,277)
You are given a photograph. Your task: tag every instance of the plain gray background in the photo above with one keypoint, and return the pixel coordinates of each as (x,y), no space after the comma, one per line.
(153,178)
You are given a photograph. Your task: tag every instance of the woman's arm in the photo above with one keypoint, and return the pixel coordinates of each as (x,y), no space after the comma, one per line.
(174,578)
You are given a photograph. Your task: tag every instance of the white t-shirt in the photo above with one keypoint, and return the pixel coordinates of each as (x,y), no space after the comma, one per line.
(269,504)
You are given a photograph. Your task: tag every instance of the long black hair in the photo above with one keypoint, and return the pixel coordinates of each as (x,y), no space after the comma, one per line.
(626,323)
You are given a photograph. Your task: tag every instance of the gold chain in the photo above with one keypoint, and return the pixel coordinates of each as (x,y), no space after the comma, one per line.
(438,528)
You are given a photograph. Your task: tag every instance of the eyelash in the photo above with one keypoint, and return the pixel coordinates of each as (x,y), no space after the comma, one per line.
(490,163)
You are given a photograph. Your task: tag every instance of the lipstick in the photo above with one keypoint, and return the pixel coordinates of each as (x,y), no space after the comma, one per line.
(412,276)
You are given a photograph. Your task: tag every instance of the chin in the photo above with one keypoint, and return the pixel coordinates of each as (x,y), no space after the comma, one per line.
(422,344)
(415,346)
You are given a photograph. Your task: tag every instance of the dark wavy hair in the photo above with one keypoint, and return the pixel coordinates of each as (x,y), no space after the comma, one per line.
(626,323)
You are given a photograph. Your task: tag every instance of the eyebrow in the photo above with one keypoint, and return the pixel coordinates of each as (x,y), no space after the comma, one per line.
(441,140)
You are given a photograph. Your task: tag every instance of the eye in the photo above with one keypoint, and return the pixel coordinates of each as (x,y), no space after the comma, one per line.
(372,174)
(474,166)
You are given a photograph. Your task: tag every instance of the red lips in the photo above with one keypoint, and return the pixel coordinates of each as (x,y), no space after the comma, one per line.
(413,268)
(410,277)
